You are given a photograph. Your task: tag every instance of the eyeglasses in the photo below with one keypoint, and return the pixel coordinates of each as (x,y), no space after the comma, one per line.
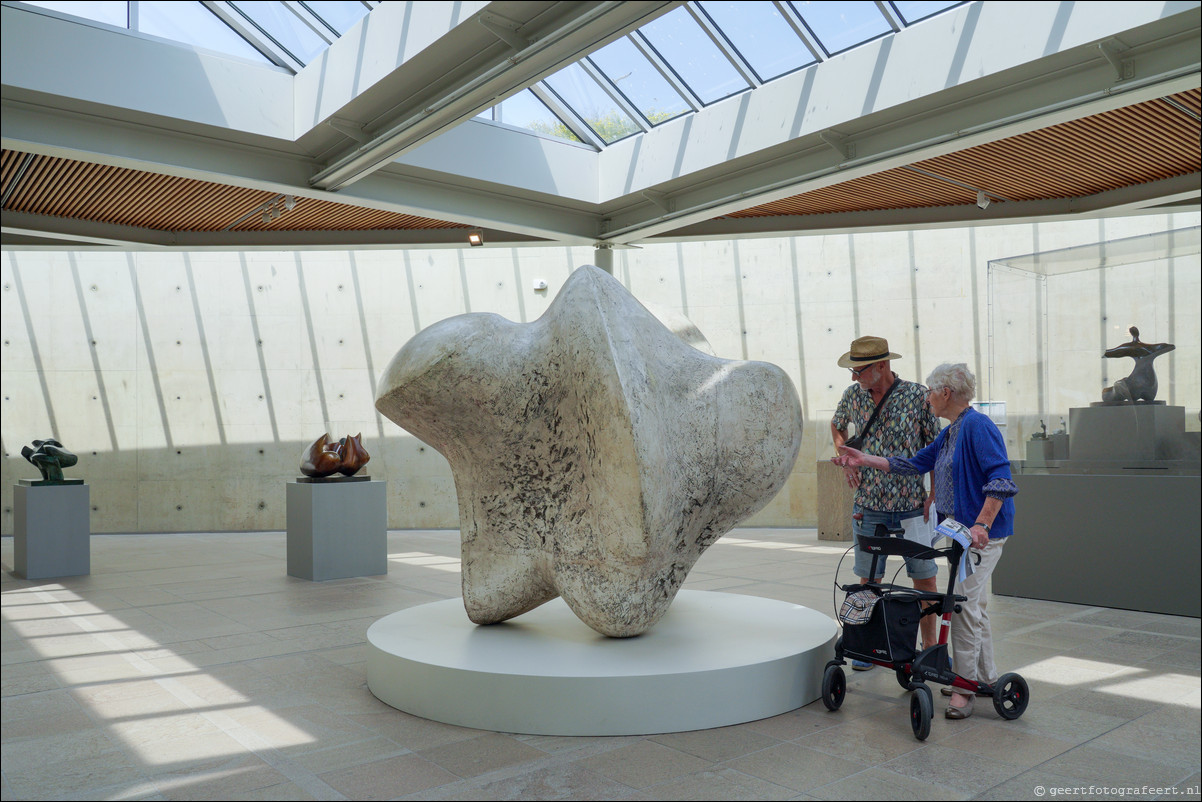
(855,372)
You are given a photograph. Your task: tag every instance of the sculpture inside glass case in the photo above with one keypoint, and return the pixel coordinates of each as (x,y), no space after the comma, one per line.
(49,457)
(1141,385)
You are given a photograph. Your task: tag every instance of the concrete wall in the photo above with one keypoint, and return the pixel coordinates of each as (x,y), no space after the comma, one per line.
(190,383)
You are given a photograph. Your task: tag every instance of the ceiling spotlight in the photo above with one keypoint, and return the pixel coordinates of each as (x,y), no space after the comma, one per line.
(475,237)
(982,199)
(289,202)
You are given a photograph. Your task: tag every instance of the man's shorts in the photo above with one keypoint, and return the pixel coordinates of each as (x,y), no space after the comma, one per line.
(917,569)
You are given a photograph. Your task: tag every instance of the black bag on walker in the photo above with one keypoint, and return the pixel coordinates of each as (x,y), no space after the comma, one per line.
(889,635)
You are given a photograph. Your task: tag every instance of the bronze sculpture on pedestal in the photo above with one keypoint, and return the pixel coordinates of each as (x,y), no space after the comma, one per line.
(49,457)
(1141,385)
(324,458)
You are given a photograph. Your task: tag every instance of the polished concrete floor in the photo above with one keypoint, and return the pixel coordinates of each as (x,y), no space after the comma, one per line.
(193,667)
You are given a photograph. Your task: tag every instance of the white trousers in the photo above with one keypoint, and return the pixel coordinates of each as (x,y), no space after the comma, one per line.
(971,636)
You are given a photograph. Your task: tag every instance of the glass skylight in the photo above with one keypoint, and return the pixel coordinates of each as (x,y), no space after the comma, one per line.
(285,28)
(193,24)
(288,34)
(843,25)
(917,10)
(638,80)
(524,110)
(693,56)
(340,16)
(760,34)
(588,100)
(708,50)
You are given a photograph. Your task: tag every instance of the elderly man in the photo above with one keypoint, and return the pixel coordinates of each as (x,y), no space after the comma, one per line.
(903,425)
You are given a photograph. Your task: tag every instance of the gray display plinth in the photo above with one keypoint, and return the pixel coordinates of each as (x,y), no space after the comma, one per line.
(337,529)
(51,530)
(1126,541)
(1127,432)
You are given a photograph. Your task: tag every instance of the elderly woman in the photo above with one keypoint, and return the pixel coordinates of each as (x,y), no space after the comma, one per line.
(972,485)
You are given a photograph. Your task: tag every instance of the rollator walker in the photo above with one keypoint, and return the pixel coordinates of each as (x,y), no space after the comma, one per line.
(880,626)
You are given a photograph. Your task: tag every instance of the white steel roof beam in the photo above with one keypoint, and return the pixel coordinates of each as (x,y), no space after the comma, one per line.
(578,29)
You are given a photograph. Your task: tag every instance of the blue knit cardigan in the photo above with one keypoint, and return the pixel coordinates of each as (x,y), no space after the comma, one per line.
(980,468)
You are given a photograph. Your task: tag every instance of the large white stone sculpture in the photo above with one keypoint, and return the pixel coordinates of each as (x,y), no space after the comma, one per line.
(596,455)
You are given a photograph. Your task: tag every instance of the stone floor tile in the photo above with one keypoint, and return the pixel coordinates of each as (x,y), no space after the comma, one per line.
(1003,741)
(948,768)
(870,740)
(388,779)
(718,744)
(879,783)
(566,781)
(794,766)
(720,784)
(644,763)
(1091,765)
(482,754)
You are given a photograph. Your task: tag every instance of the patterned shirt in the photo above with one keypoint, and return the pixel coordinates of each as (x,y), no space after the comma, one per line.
(903,428)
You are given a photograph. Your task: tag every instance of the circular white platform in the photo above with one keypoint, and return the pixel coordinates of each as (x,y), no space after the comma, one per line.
(714,659)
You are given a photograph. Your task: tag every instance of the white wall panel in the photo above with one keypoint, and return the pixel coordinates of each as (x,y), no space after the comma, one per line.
(207,435)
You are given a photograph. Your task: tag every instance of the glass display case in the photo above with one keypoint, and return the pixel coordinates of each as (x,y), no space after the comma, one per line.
(1053,316)
(1102,423)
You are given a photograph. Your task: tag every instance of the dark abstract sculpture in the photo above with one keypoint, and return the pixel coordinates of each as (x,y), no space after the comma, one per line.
(1141,385)
(324,458)
(49,457)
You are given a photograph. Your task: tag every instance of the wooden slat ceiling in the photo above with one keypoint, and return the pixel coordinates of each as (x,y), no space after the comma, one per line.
(1150,141)
(1137,144)
(79,190)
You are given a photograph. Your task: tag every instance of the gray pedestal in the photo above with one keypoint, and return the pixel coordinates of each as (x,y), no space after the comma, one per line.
(337,529)
(1127,432)
(51,530)
(1130,542)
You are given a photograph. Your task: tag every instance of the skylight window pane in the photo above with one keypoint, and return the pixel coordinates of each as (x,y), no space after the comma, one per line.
(634,76)
(110,13)
(914,11)
(760,34)
(582,94)
(341,16)
(285,28)
(193,24)
(680,42)
(842,25)
(524,110)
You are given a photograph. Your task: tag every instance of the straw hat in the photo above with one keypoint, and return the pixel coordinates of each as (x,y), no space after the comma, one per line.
(865,351)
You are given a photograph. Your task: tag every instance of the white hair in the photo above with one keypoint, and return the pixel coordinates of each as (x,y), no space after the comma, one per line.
(955,377)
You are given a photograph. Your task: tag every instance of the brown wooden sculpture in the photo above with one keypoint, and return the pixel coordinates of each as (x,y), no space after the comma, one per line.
(324,458)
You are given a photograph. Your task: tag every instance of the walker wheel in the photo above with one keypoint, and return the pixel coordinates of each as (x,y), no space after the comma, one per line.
(921,709)
(834,687)
(1010,696)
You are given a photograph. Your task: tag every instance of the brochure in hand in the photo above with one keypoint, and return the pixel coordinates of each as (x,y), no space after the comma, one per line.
(953,529)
